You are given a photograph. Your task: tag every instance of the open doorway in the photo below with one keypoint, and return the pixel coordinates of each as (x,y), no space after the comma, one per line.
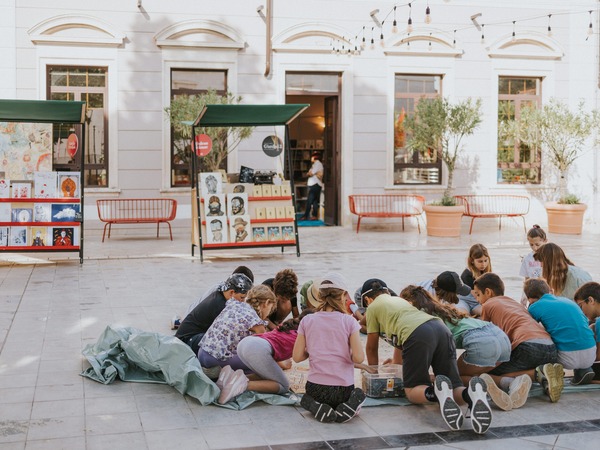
(317,129)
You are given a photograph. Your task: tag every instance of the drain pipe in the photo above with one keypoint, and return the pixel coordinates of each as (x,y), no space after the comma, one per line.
(269,44)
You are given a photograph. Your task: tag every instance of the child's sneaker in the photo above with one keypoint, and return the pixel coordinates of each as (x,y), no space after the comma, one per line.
(235,386)
(351,407)
(582,376)
(322,411)
(500,398)
(450,410)
(481,414)
(519,390)
(212,372)
(551,377)
(224,376)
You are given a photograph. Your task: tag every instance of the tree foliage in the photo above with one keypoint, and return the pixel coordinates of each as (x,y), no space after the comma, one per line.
(439,125)
(224,139)
(560,133)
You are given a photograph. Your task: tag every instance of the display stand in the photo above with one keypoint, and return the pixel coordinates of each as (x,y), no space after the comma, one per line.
(249,116)
(44,207)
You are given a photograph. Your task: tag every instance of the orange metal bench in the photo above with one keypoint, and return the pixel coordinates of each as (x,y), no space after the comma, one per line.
(492,206)
(387,205)
(136,210)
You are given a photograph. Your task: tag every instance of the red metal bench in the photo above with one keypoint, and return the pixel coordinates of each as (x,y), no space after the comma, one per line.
(387,205)
(136,210)
(492,206)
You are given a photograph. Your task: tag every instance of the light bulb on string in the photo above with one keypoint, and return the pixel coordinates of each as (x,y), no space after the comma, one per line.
(427,14)
(381,40)
(482,34)
(372,40)
(409,27)
(549,27)
(514,37)
(394,23)
(363,44)
(454,40)
(590,30)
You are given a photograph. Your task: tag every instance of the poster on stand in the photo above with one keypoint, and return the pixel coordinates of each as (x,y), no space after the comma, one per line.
(44,184)
(30,149)
(216,230)
(240,229)
(237,204)
(69,184)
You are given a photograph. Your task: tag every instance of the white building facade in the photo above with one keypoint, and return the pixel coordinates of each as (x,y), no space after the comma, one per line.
(128,58)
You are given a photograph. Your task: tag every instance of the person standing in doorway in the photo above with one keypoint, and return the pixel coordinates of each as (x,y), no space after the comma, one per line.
(315,184)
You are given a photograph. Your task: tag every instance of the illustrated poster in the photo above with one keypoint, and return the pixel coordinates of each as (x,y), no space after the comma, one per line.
(25,148)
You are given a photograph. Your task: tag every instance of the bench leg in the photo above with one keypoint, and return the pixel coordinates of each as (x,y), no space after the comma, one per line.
(170,231)
(157,229)
(358,224)
(104,232)
(402,223)
(471,228)
(418,224)
(109,228)
(524,226)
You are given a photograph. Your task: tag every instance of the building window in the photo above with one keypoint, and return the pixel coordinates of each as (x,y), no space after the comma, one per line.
(517,163)
(414,166)
(190,82)
(87,84)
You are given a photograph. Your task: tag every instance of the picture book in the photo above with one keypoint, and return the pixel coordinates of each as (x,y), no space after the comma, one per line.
(69,184)
(64,212)
(62,237)
(44,184)
(18,236)
(274,233)
(258,234)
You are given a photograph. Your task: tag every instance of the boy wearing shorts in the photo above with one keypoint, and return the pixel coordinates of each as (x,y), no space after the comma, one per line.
(533,352)
(420,341)
(568,328)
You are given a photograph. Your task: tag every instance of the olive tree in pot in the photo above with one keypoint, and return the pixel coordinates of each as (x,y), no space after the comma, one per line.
(439,125)
(185,108)
(561,134)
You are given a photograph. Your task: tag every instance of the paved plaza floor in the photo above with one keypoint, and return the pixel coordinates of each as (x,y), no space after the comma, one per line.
(51,308)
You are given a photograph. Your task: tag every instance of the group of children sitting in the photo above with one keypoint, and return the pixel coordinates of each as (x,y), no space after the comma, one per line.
(246,344)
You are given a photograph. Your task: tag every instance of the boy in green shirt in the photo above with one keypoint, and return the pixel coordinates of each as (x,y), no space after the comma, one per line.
(420,341)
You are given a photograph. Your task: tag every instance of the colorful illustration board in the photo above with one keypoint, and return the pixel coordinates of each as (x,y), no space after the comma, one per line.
(214,205)
(64,212)
(25,148)
(44,184)
(39,237)
(69,184)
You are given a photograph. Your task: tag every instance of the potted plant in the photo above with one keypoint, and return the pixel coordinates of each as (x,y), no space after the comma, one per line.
(561,134)
(439,125)
(185,108)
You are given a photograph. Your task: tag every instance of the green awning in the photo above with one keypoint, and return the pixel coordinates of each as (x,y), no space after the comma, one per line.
(248,115)
(53,111)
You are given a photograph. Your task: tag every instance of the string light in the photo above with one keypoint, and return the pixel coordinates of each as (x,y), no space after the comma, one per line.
(428,14)
(482,34)
(409,28)
(549,27)
(590,27)
(363,44)
(372,40)
(429,46)
(394,23)
(381,40)
(454,40)
(514,37)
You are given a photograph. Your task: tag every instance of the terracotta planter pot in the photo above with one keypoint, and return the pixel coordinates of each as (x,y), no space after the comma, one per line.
(565,219)
(443,221)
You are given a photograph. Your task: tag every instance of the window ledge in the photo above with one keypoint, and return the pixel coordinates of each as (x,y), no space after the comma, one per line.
(97,192)
(176,190)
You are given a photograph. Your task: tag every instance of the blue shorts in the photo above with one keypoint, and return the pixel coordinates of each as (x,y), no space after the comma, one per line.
(486,346)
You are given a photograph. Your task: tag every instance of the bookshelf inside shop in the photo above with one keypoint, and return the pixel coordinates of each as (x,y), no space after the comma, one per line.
(41,204)
(250,209)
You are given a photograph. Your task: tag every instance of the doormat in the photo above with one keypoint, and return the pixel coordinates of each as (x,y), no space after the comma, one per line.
(308,223)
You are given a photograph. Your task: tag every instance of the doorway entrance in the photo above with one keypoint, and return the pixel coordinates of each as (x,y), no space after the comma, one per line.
(317,129)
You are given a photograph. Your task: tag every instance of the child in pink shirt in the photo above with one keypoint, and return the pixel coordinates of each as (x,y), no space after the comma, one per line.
(330,340)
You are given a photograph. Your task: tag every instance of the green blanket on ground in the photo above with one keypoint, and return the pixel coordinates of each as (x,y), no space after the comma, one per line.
(148,357)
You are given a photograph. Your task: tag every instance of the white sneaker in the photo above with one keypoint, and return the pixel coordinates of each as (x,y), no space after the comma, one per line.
(450,410)
(224,376)
(519,390)
(481,414)
(500,398)
(235,386)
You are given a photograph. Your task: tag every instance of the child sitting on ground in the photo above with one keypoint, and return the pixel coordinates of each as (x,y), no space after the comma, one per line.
(330,340)
(485,345)
(266,355)
(568,328)
(533,352)
(530,268)
(588,299)
(422,341)
(560,273)
(448,287)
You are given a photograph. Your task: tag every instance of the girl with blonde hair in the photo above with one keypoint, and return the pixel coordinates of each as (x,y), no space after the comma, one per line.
(560,273)
(330,340)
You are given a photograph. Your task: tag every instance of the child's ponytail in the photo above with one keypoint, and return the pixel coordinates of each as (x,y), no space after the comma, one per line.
(537,232)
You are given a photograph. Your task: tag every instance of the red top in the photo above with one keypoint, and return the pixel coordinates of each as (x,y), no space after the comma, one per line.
(282,343)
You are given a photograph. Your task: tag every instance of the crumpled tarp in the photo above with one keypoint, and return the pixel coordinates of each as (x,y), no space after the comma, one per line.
(135,355)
